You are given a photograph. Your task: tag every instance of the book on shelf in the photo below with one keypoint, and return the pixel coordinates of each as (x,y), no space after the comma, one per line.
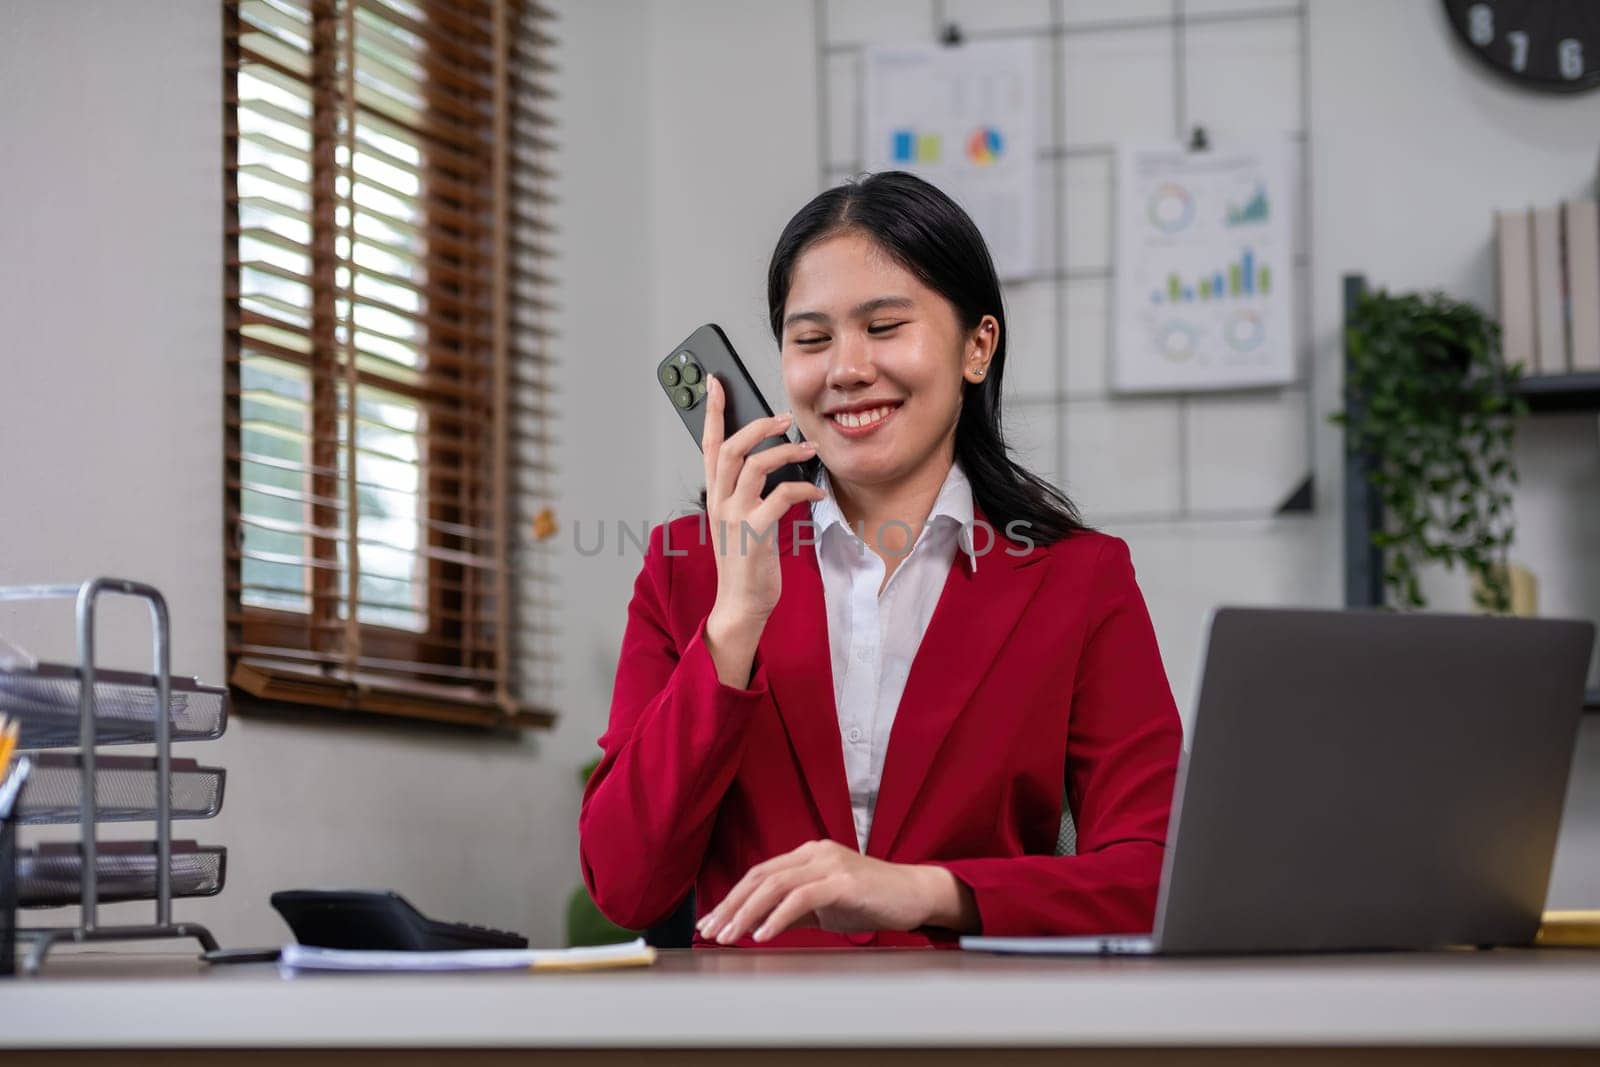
(1548,284)
(1514,257)
(1550,327)
(1580,220)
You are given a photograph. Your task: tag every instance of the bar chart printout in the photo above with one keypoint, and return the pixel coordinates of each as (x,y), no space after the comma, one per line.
(1203,253)
(964,119)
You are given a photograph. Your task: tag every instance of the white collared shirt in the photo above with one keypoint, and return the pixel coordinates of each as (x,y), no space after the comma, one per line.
(874,636)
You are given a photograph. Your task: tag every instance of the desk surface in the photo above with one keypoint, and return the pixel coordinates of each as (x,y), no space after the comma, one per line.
(859,998)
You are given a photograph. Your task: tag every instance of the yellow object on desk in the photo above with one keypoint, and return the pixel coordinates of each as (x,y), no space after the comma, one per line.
(10,730)
(635,955)
(1569,929)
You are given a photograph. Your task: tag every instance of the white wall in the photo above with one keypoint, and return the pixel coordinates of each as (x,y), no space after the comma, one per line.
(606,464)
(733,154)
(111,429)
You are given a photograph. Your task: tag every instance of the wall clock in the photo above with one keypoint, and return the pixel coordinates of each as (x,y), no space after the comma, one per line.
(1552,45)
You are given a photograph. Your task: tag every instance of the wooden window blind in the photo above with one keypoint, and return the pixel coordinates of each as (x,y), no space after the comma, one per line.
(388,483)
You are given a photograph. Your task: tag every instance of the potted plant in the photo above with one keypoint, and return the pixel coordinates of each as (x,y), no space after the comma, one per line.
(1433,411)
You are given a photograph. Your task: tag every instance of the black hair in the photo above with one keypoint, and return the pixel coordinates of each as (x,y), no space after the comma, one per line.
(929,235)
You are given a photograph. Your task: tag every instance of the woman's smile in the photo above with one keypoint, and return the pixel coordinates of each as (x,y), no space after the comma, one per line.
(855,421)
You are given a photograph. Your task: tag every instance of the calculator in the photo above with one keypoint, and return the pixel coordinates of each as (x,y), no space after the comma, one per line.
(378,919)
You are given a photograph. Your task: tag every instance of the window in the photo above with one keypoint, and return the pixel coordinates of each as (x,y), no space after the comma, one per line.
(388,428)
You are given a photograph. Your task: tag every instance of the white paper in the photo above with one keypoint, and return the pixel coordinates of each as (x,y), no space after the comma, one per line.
(14,658)
(1204,268)
(296,957)
(962,118)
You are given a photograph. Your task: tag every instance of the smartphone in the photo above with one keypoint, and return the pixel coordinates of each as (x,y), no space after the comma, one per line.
(682,376)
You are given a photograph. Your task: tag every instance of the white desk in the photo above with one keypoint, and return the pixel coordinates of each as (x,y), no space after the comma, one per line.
(1526,1006)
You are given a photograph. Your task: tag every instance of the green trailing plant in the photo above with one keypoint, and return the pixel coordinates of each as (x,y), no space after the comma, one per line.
(1432,407)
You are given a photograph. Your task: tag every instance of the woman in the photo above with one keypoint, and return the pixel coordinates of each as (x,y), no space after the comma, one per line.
(848,718)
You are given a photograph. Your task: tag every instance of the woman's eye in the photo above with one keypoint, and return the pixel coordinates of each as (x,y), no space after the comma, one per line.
(879,328)
(814,339)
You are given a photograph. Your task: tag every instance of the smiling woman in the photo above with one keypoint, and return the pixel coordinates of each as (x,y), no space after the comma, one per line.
(860,730)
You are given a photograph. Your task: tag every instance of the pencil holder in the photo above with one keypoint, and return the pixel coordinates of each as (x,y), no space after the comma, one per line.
(8,895)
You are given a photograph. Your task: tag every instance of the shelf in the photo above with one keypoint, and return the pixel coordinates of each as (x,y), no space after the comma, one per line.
(1561,392)
(125,789)
(81,706)
(50,874)
(1565,393)
(44,697)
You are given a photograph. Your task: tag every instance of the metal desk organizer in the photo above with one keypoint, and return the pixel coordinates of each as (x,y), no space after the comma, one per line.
(59,706)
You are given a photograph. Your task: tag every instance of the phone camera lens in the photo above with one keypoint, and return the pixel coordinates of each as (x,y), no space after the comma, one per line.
(691,373)
(669,375)
(683,396)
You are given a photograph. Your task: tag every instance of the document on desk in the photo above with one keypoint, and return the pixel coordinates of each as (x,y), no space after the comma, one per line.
(297,958)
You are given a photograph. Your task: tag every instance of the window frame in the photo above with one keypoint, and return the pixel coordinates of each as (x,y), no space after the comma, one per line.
(460,667)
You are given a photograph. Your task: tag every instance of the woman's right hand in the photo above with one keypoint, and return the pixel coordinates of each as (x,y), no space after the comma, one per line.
(743,530)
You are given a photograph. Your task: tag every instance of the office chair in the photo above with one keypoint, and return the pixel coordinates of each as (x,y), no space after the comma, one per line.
(1067,836)
(677,929)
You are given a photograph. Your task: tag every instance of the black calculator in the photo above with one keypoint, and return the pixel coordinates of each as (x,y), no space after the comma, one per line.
(378,919)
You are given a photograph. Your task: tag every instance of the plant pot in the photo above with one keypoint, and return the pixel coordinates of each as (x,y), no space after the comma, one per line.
(1524,588)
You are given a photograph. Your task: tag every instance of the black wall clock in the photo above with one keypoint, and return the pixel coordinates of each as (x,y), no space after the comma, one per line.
(1553,45)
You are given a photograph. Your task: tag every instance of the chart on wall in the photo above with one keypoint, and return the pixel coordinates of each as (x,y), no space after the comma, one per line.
(962,118)
(1203,291)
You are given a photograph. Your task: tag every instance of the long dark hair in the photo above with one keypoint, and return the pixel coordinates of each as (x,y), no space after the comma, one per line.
(929,235)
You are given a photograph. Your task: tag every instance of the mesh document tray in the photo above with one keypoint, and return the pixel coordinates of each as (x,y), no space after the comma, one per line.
(44,697)
(125,789)
(48,875)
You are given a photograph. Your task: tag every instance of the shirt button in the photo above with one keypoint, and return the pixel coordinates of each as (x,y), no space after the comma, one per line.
(854,734)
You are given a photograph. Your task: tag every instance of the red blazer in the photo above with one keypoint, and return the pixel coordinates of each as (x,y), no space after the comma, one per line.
(1037,669)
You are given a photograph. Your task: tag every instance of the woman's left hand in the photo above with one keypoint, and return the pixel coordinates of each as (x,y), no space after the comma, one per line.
(826,884)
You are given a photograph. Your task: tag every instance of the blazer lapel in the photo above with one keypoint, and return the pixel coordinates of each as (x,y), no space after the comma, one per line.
(794,647)
(975,615)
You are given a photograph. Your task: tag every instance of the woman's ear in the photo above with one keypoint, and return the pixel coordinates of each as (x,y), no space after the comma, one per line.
(981,346)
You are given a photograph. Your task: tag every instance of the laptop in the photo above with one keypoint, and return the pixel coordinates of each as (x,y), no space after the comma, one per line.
(1363,780)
